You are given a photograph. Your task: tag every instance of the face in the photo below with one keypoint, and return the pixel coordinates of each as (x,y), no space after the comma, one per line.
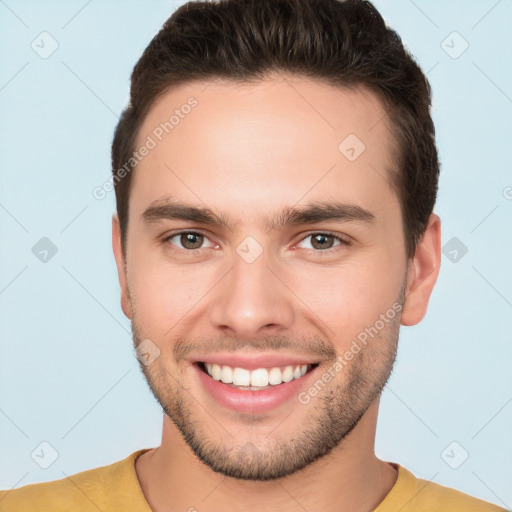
(263,234)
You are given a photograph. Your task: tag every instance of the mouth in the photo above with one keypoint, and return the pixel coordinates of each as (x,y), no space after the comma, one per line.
(255,390)
(256,379)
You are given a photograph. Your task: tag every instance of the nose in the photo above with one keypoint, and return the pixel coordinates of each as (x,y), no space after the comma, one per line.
(252,300)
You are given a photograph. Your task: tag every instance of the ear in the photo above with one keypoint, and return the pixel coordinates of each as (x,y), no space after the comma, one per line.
(422,273)
(121,266)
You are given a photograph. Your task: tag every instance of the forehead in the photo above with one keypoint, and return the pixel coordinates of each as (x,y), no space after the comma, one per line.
(283,139)
(281,97)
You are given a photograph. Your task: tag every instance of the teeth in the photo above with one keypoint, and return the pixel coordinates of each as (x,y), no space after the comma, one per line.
(227,375)
(259,378)
(275,376)
(216,371)
(287,374)
(241,377)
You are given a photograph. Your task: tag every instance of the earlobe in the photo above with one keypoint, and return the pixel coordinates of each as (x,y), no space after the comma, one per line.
(121,266)
(422,273)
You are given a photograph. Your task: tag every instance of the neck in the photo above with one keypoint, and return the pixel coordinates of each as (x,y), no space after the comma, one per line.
(349,478)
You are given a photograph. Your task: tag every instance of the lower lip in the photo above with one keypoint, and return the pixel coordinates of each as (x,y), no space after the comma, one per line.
(252,402)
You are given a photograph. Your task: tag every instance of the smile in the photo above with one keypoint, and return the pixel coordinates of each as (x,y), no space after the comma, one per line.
(253,391)
(257,379)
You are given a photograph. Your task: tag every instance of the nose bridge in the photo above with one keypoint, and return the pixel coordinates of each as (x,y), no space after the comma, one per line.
(251,296)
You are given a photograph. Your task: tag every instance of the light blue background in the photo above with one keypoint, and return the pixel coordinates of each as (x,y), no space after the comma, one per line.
(68,375)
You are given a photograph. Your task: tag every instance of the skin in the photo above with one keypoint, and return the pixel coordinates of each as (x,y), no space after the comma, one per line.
(248,151)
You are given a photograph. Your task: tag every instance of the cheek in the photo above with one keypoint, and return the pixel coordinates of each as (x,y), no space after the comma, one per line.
(351,296)
(163,293)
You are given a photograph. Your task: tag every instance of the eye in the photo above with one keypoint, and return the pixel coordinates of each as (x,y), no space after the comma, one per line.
(189,240)
(323,241)
(193,241)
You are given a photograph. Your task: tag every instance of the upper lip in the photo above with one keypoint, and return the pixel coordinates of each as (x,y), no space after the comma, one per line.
(254,361)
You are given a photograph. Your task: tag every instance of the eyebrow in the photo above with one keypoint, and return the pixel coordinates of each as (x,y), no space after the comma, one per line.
(310,214)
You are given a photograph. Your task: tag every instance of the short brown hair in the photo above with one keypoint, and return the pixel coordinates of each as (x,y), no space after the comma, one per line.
(344,43)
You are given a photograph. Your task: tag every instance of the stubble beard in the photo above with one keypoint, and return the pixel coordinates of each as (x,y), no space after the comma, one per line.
(331,416)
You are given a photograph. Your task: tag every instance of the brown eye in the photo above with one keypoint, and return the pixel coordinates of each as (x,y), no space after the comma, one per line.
(324,241)
(187,240)
(191,240)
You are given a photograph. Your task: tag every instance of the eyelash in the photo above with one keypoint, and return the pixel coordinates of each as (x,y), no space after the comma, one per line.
(343,242)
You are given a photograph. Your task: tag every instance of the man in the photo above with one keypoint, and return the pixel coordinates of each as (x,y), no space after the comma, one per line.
(276,174)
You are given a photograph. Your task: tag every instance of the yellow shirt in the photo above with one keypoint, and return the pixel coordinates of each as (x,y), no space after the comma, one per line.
(115,488)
